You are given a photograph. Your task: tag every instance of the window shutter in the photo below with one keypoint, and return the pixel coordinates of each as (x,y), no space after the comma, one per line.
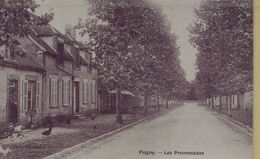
(95,91)
(38,100)
(22,94)
(89,91)
(86,91)
(91,85)
(60,92)
(25,96)
(63,92)
(83,91)
(56,92)
(69,92)
(66,89)
(50,92)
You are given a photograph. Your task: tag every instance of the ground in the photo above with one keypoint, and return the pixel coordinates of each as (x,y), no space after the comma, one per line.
(189,128)
(33,145)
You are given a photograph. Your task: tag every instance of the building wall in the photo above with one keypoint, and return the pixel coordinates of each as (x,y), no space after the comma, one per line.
(53,73)
(22,76)
(236,101)
(87,81)
(248,100)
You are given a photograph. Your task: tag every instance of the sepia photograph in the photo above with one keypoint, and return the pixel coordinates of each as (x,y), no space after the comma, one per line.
(126,79)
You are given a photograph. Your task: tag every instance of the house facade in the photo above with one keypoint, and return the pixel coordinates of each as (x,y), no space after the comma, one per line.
(85,83)
(47,74)
(58,63)
(21,87)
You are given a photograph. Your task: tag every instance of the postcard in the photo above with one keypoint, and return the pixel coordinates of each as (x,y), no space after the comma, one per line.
(124,79)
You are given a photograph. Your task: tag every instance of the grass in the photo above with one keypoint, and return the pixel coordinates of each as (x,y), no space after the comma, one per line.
(42,147)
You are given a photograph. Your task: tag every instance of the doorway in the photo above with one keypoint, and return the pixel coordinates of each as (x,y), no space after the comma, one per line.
(76,97)
(13,101)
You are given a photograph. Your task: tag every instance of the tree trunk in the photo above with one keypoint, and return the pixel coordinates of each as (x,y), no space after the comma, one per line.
(213,102)
(109,103)
(157,101)
(145,102)
(167,105)
(220,103)
(118,106)
(229,105)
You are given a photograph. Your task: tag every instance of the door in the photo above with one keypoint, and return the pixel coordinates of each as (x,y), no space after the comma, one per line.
(76,97)
(13,101)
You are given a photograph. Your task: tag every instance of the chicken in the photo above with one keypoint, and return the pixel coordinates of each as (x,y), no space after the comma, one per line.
(92,116)
(47,132)
(4,152)
(18,128)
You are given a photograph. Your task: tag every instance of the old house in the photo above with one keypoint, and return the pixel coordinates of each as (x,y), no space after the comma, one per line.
(85,77)
(58,63)
(21,85)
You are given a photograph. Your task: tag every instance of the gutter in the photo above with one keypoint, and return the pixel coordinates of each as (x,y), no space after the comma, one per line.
(65,71)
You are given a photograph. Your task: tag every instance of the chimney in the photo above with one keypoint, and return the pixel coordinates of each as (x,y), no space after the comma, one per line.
(69,30)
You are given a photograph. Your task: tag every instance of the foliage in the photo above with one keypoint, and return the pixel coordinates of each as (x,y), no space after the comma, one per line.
(134,47)
(16,16)
(223,35)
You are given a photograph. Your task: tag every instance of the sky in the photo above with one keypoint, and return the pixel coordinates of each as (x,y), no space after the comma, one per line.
(179,12)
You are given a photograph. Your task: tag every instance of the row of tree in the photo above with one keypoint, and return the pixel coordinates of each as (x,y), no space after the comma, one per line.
(132,40)
(135,49)
(223,35)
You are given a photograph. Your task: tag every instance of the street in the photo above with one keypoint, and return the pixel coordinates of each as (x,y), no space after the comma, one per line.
(189,128)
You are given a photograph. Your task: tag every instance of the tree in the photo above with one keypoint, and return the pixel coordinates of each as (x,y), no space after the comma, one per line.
(223,35)
(113,27)
(133,45)
(16,16)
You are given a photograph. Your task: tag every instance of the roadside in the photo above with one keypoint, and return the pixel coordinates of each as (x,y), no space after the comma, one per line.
(189,128)
(32,144)
(235,121)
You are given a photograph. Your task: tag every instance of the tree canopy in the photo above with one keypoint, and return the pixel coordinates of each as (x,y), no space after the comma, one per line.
(134,46)
(223,35)
(16,16)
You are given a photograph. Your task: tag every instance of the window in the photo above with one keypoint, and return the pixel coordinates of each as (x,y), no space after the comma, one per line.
(78,57)
(94,91)
(60,48)
(12,53)
(38,97)
(91,86)
(2,51)
(60,92)
(31,95)
(53,93)
(7,52)
(66,92)
(85,91)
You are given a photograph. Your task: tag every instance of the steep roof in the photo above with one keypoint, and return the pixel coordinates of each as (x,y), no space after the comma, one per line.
(24,61)
(80,44)
(34,35)
(46,30)
(50,31)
